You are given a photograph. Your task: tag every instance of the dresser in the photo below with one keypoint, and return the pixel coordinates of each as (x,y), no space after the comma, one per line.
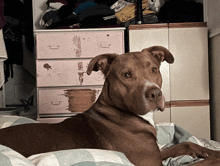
(186,81)
(62,57)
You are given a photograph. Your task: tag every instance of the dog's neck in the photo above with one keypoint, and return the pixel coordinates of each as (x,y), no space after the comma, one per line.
(105,99)
(124,118)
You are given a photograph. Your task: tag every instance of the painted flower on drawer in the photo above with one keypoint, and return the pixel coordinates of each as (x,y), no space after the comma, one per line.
(77,46)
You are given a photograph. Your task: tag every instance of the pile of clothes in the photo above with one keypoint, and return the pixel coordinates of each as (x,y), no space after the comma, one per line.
(94,13)
(100,13)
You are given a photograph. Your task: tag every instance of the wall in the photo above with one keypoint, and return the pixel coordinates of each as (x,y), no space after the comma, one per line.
(213,8)
(215,86)
(213,18)
(21,86)
(2,98)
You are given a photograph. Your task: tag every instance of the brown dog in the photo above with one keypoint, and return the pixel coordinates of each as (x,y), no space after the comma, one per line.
(132,88)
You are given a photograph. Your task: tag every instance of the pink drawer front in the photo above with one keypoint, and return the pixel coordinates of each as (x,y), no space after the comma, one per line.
(66,101)
(66,73)
(79,44)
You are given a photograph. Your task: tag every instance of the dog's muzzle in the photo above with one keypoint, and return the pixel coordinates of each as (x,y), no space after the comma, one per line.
(154,95)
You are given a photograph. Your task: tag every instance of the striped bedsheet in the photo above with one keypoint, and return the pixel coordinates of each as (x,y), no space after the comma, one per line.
(168,134)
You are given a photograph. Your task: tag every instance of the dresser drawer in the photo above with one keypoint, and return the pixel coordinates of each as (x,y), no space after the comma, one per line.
(66,101)
(66,73)
(85,44)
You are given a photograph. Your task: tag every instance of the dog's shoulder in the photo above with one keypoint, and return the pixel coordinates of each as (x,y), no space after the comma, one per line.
(81,131)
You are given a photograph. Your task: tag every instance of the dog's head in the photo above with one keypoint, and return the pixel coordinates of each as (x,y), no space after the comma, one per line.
(133,80)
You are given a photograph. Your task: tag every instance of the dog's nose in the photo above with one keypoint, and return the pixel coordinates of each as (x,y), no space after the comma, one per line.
(154,94)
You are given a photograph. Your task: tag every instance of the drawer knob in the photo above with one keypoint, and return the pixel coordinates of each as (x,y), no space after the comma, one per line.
(54,47)
(55,102)
(104,45)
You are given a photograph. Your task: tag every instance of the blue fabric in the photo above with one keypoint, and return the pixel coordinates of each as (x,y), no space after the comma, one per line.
(84,6)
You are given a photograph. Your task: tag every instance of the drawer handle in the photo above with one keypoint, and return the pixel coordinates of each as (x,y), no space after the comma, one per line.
(54,47)
(55,102)
(104,45)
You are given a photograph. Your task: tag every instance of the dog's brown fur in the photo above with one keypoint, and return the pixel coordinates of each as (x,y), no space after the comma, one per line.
(132,88)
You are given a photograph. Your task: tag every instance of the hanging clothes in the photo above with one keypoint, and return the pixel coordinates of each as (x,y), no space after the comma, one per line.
(2,18)
(14,12)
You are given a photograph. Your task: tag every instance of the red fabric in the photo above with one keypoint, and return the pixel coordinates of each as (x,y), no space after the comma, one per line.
(2,18)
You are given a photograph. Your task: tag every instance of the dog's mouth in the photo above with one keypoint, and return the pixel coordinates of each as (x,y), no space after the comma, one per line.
(157,106)
(161,104)
(155,110)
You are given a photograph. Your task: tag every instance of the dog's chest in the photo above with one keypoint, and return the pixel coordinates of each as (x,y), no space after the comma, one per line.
(137,146)
(128,135)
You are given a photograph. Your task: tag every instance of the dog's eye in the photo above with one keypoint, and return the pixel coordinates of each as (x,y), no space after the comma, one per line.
(127,75)
(154,69)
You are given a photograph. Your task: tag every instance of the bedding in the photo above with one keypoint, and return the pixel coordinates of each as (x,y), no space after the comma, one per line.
(168,135)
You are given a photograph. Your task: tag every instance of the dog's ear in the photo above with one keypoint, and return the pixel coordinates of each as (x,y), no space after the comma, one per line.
(160,53)
(101,62)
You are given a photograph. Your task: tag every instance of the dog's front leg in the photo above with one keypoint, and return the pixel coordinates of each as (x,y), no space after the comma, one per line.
(208,162)
(189,148)
(194,150)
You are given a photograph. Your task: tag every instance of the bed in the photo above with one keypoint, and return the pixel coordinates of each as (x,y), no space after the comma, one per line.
(168,134)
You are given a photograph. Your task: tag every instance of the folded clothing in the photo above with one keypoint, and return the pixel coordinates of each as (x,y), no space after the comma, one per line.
(84,6)
(147,19)
(129,11)
(49,2)
(93,17)
(119,5)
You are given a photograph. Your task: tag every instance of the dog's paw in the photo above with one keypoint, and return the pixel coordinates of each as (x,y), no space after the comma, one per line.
(202,152)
